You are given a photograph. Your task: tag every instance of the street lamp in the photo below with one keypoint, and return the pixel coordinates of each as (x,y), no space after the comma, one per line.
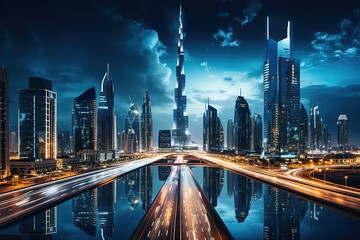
(346,178)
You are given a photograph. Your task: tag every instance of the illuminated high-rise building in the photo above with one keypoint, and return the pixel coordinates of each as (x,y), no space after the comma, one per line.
(242,125)
(256,133)
(4,124)
(342,132)
(146,123)
(303,130)
(180,132)
(281,96)
(38,120)
(132,129)
(84,121)
(106,114)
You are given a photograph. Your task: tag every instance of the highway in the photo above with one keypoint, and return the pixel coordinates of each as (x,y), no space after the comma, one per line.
(337,199)
(160,220)
(196,214)
(19,203)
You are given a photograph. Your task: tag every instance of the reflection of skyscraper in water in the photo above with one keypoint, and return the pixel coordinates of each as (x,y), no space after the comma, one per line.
(84,210)
(314,211)
(146,187)
(230,182)
(40,226)
(256,189)
(106,209)
(213,183)
(242,197)
(283,213)
(164,172)
(132,188)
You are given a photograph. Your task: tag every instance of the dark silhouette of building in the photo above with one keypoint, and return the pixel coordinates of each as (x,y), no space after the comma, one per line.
(230,134)
(106,114)
(319,136)
(242,125)
(256,133)
(213,132)
(180,132)
(63,142)
(146,123)
(281,96)
(84,210)
(38,120)
(242,197)
(4,124)
(342,132)
(41,225)
(146,187)
(164,139)
(303,130)
(164,172)
(84,121)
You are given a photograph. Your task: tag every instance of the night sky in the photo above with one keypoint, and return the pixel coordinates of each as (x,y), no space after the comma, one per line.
(70,42)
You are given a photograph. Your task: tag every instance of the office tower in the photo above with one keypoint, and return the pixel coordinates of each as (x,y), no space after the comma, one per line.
(230,182)
(13,142)
(106,209)
(164,172)
(242,197)
(38,120)
(180,133)
(256,133)
(146,123)
(221,134)
(84,121)
(63,142)
(106,114)
(281,96)
(342,132)
(242,126)
(213,183)
(230,134)
(164,139)
(211,130)
(42,224)
(122,141)
(303,130)
(132,129)
(4,124)
(319,136)
(84,211)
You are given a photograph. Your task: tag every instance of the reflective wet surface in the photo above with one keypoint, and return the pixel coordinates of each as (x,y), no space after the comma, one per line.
(249,209)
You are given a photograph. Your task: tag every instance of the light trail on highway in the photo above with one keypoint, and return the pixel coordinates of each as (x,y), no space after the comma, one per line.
(19,203)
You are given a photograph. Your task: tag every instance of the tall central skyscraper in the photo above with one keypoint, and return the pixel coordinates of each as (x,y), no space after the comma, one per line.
(180,133)
(146,123)
(281,96)
(106,114)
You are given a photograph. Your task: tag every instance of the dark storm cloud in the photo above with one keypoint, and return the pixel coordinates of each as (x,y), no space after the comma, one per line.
(343,100)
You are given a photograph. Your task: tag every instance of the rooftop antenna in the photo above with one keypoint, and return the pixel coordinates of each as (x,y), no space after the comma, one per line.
(131,101)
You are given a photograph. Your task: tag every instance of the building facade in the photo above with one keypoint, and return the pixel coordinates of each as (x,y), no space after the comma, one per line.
(180,132)
(242,125)
(132,129)
(281,96)
(4,124)
(256,133)
(164,139)
(38,120)
(303,130)
(230,134)
(319,136)
(106,114)
(146,123)
(342,132)
(212,129)
(84,121)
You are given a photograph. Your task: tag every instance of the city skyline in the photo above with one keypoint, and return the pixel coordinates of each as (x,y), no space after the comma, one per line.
(226,53)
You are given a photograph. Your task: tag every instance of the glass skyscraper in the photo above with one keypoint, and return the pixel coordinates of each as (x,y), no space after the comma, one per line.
(281,96)
(256,133)
(180,133)
(212,130)
(132,129)
(230,134)
(4,124)
(342,132)
(106,114)
(146,123)
(242,126)
(84,121)
(38,120)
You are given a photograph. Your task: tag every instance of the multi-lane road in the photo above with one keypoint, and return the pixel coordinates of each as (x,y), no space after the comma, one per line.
(19,203)
(181,211)
(345,200)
